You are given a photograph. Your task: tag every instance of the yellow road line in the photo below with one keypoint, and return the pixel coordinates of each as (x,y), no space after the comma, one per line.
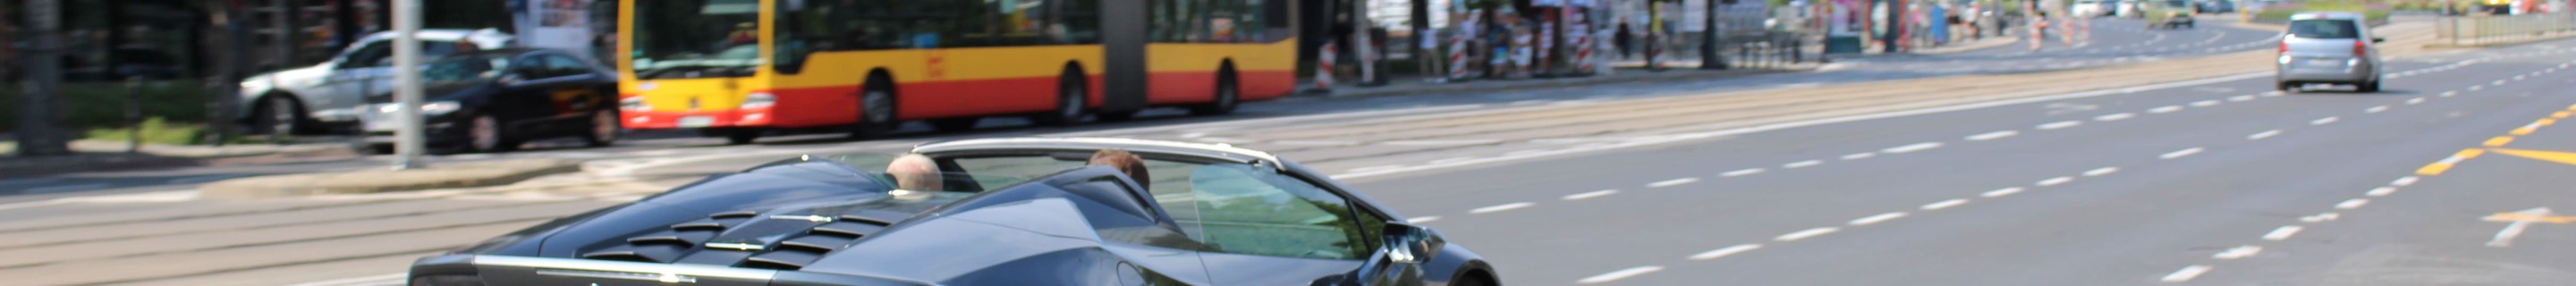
(2433,169)
(2560,114)
(2436,168)
(2499,141)
(2545,122)
(2521,131)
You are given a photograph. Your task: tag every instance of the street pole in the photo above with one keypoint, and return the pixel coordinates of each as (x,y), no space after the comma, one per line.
(37,135)
(281,53)
(1709,57)
(407,139)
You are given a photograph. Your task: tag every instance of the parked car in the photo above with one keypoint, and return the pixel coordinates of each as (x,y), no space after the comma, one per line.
(1008,211)
(2215,6)
(2328,47)
(2129,8)
(310,98)
(493,100)
(2088,9)
(2172,14)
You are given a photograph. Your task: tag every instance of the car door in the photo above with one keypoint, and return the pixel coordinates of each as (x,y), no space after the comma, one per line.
(353,77)
(1267,228)
(571,91)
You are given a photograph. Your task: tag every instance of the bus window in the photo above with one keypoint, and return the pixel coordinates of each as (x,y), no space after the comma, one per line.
(696,38)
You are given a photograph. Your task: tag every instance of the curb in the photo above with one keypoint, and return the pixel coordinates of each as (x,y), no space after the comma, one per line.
(97,162)
(462,175)
(1519,84)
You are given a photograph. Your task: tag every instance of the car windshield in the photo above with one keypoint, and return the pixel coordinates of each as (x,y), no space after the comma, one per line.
(465,68)
(2324,29)
(696,38)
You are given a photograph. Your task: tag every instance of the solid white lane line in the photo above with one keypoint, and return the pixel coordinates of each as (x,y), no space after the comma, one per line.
(2204,103)
(1421,219)
(1501,207)
(1804,234)
(1741,173)
(2101,171)
(1802,164)
(62,188)
(2055,181)
(2381,191)
(2241,98)
(2187,273)
(1621,274)
(1993,135)
(1723,252)
(2238,252)
(1944,204)
(1858,156)
(2001,192)
(1877,218)
(2060,125)
(2179,154)
(1672,182)
(2375,109)
(2323,121)
(2403,181)
(1912,147)
(2265,134)
(2165,109)
(2284,232)
(2351,204)
(1591,194)
(2115,117)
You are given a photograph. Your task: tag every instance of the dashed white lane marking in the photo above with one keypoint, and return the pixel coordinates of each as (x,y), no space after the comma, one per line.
(2497,83)
(1501,207)
(2324,121)
(1741,173)
(2284,232)
(2517,77)
(2351,204)
(2114,117)
(2101,171)
(2179,154)
(2055,181)
(1858,156)
(2187,273)
(2264,134)
(2381,191)
(1421,219)
(62,188)
(1591,194)
(2403,181)
(1993,135)
(2060,125)
(1621,274)
(2165,109)
(1877,218)
(2001,192)
(1912,147)
(1804,234)
(2241,98)
(1802,164)
(2204,103)
(2323,217)
(1723,252)
(2450,93)
(2477,87)
(1672,182)
(2375,109)
(2238,252)
(1440,142)
(1375,168)
(2274,93)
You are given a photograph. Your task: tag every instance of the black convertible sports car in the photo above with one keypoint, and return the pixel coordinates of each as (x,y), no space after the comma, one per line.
(1019,211)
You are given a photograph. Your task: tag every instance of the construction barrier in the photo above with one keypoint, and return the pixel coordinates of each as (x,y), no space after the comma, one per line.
(1324,67)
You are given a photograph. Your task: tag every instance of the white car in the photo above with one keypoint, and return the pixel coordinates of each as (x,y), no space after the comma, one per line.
(329,93)
(2130,9)
(2085,9)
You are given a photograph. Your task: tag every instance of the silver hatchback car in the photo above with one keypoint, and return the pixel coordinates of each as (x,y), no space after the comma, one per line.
(2328,48)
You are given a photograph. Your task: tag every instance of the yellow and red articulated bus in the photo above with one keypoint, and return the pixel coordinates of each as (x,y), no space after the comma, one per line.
(743,68)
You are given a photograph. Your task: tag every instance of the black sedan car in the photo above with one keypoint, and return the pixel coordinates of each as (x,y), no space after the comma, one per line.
(1016,211)
(494,100)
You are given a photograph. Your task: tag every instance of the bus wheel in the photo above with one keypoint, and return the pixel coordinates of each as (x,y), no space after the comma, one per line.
(1068,102)
(741,136)
(1226,98)
(876,112)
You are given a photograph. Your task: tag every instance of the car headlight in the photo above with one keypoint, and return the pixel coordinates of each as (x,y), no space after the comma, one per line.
(759,100)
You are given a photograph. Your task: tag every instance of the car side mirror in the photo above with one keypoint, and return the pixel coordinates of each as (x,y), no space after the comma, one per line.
(2378,40)
(1407,244)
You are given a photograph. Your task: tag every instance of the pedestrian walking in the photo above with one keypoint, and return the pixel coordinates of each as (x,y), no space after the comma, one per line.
(1624,40)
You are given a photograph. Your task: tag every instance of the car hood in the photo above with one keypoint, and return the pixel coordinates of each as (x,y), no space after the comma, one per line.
(826,217)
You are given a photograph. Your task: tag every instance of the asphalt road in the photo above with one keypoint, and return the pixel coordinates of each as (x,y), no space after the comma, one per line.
(2213,181)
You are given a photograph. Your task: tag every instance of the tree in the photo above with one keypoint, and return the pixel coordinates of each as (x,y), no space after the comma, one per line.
(38,134)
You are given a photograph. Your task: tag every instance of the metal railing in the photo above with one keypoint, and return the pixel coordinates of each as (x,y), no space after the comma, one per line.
(2484,30)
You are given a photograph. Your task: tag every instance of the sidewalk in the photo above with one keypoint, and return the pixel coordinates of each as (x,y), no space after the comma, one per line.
(94,155)
(1415,85)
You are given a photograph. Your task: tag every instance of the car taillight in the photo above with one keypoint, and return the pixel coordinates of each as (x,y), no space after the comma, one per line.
(2285,47)
(2361,47)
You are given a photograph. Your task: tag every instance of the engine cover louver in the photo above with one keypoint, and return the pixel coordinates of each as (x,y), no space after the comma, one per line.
(784,239)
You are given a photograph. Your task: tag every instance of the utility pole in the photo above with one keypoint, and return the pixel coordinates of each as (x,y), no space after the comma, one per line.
(408,139)
(1709,57)
(37,133)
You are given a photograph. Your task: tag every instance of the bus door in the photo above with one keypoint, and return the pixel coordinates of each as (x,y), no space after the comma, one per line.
(1123,38)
